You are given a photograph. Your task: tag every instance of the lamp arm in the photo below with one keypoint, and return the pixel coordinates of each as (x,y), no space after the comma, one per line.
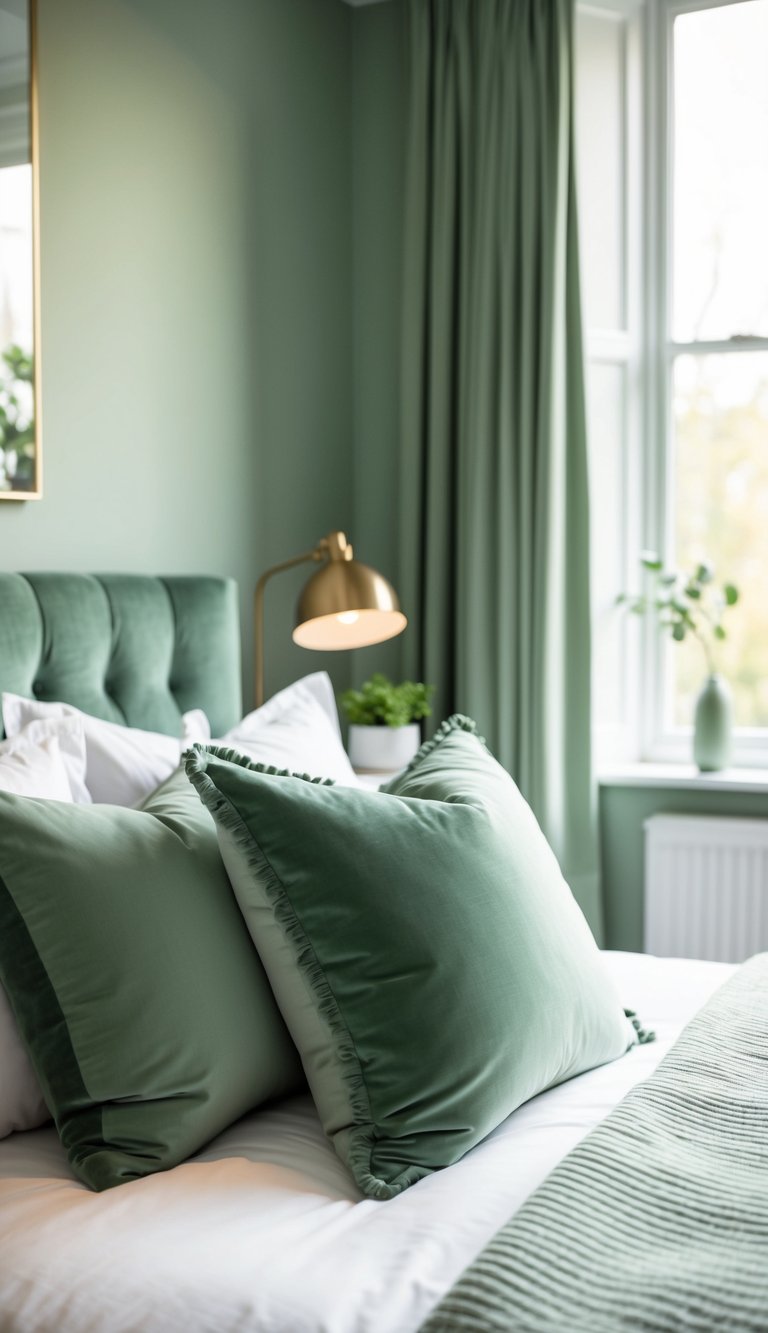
(318,552)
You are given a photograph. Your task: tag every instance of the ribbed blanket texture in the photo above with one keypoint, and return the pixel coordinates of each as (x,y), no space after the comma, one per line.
(658,1220)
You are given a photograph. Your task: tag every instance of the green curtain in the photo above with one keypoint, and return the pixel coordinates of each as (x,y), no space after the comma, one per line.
(494,560)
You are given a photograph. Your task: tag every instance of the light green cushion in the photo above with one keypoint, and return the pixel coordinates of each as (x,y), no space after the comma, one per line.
(431,963)
(142,1001)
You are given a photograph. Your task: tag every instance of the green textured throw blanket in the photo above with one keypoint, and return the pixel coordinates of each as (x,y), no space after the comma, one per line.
(659,1218)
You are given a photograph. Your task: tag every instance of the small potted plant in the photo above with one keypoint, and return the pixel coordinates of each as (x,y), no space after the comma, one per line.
(384,730)
(694,605)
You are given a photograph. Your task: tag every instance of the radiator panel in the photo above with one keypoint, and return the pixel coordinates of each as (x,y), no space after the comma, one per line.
(706,887)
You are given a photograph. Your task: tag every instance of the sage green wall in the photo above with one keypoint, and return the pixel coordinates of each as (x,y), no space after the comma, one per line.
(196,293)
(379,81)
(623,811)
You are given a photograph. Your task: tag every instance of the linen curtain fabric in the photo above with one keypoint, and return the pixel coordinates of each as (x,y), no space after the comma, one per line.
(495,527)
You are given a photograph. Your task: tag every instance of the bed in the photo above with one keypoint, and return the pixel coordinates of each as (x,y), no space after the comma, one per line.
(264,1228)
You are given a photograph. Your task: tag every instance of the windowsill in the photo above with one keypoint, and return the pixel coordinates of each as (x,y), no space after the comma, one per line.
(685,777)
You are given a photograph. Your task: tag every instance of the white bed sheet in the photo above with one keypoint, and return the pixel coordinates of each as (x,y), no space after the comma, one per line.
(265,1230)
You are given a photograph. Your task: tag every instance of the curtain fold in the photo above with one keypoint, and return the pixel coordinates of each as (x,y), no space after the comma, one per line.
(494,559)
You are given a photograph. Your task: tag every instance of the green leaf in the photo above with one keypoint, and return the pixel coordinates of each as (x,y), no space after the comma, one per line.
(678,632)
(650,560)
(704,572)
(719,632)
(731,594)
(693,592)
(380,703)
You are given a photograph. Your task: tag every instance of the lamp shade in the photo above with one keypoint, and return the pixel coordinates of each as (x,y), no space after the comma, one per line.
(347,605)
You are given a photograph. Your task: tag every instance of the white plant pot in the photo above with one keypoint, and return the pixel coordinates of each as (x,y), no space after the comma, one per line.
(383,749)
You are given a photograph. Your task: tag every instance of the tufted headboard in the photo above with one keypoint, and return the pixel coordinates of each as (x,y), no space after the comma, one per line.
(125,647)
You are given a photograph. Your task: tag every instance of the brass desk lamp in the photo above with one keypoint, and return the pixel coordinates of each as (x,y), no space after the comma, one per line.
(343,605)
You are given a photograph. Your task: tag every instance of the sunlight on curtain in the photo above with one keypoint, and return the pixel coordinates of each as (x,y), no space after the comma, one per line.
(495,526)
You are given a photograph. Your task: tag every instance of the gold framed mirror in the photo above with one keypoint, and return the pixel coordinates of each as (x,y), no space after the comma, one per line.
(20,452)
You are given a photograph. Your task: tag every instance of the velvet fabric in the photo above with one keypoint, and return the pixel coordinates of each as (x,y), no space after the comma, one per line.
(124,647)
(430,961)
(147,1015)
(494,511)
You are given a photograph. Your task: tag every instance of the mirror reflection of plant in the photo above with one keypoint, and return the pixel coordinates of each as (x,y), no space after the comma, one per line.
(685,603)
(17,421)
(381,703)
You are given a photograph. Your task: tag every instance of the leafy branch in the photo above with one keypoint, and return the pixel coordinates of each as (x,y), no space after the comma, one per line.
(17,423)
(685,604)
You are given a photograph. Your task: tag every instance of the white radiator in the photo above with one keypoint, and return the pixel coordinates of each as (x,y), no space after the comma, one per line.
(706,887)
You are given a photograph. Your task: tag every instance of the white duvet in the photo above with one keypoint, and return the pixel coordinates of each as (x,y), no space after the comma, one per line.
(265,1229)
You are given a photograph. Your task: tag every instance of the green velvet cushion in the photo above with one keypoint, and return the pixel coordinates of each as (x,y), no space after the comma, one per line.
(142,1001)
(430,961)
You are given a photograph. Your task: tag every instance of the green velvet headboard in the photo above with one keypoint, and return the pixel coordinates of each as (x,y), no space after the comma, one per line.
(126,647)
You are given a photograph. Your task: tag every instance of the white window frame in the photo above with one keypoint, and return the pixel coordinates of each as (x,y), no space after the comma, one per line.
(621,349)
(660,742)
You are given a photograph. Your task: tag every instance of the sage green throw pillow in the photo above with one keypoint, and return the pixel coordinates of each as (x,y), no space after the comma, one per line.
(136,987)
(430,961)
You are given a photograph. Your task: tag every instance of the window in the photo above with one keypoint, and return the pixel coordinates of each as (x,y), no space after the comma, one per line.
(672,143)
(609,154)
(715,332)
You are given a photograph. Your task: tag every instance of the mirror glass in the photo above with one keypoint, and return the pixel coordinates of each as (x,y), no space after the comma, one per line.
(19,419)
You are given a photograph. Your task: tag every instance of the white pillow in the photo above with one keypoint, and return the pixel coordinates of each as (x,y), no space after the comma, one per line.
(297,729)
(32,764)
(123,764)
(21,1099)
(46,759)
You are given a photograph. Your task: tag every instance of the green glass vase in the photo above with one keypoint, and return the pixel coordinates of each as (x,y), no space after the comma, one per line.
(712,726)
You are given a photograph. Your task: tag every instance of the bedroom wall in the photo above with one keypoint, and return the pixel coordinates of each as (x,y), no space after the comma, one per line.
(196,294)
(623,811)
(379,78)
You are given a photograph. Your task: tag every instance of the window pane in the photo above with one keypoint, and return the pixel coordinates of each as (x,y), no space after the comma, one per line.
(600,56)
(720,271)
(607,478)
(16,257)
(721,514)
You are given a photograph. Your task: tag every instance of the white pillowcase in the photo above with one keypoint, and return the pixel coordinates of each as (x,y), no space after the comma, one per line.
(297,729)
(37,762)
(21,1100)
(123,764)
(45,759)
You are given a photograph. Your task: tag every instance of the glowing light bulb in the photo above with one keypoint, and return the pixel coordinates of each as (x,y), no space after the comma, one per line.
(348,617)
